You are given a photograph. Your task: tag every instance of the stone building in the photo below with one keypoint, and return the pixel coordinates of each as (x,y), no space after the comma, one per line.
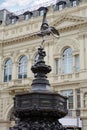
(66,55)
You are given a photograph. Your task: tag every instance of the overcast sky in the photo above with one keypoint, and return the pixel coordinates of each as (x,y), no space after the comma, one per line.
(17,5)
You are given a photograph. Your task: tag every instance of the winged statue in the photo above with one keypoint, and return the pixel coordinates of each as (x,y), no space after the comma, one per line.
(45,28)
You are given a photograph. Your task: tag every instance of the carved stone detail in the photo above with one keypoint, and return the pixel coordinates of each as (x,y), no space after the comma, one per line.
(61,44)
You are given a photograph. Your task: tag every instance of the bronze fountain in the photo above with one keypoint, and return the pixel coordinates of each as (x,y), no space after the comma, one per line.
(41,108)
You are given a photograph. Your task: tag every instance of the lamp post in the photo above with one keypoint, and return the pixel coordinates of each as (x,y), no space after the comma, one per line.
(41,108)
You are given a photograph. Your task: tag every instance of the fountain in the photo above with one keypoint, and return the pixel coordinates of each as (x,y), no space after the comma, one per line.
(41,108)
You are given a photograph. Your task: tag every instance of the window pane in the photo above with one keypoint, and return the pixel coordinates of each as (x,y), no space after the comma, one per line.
(78,98)
(25,76)
(5,78)
(69,95)
(13,20)
(70,98)
(67,61)
(20,76)
(26,16)
(22,69)
(25,68)
(9,77)
(60,7)
(70,105)
(8,70)
(74,3)
(41,13)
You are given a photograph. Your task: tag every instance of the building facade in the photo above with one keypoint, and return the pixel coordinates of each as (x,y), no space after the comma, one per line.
(66,55)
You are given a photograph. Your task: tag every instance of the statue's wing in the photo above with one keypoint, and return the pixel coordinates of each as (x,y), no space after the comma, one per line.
(40,34)
(44,32)
(54,31)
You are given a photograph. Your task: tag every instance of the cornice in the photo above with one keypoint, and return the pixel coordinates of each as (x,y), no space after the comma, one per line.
(4,121)
(79,82)
(68,83)
(23,38)
(28,37)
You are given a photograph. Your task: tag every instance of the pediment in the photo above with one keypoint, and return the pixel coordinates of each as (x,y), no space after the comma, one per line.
(65,23)
(71,17)
(69,20)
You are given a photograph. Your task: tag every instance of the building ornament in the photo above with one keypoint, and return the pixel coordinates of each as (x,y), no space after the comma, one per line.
(61,44)
(69,18)
(81,21)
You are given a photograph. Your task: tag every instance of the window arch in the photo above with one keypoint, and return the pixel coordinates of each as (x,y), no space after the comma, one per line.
(67,61)
(7,70)
(22,67)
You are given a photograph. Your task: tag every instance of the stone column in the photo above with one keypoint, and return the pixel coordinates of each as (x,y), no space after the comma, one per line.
(84,123)
(73,63)
(30,63)
(82,99)
(1,63)
(60,65)
(1,70)
(15,70)
(74,99)
(82,54)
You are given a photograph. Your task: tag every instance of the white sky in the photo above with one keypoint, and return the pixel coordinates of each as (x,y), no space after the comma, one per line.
(16,5)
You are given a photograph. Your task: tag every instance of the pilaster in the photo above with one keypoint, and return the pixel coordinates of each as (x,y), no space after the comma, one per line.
(14,70)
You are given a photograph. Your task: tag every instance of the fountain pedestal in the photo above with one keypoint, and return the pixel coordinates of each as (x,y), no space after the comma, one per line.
(41,108)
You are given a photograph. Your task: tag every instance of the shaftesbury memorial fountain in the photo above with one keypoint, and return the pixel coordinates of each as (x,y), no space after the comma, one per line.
(41,108)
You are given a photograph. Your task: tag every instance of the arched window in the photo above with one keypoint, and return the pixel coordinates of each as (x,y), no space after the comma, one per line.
(22,68)
(67,61)
(8,70)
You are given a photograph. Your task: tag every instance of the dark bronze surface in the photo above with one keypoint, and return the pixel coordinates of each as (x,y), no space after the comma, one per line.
(41,108)
(39,103)
(45,28)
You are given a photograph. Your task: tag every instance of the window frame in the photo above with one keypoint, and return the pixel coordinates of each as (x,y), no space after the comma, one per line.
(22,67)
(13,20)
(26,16)
(67,92)
(67,61)
(74,3)
(60,7)
(41,12)
(78,97)
(8,70)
